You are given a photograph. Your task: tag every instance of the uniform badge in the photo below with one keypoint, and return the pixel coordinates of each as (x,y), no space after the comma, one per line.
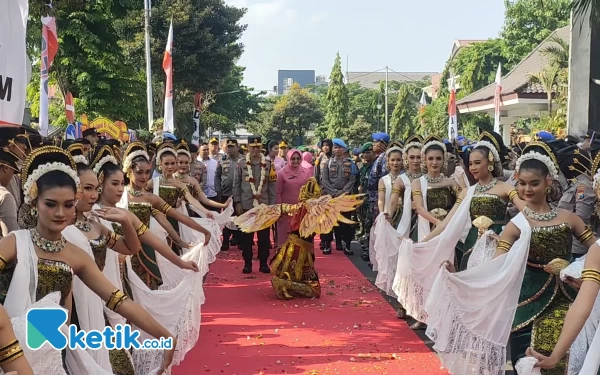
(580,192)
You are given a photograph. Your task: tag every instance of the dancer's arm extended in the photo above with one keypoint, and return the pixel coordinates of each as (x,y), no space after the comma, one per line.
(417,199)
(7,337)
(578,313)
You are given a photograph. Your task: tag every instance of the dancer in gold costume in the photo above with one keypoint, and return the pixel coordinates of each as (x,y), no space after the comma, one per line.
(292,268)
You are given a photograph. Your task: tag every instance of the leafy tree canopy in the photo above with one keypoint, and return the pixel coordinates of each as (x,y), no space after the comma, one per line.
(477,64)
(336,116)
(295,114)
(528,22)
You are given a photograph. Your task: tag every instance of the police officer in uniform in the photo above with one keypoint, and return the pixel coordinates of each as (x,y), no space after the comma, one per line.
(339,178)
(579,196)
(227,169)
(245,200)
(364,213)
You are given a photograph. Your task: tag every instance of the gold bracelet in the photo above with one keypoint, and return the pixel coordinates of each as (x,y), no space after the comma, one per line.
(591,278)
(512,194)
(165,208)
(10,352)
(183,191)
(155,212)
(141,229)
(590,272)
(458,201)
(112,240)
(586,235)
(396,190)
(504,245)
(416,193)
(457,190)
(116,299)
(382,190)
(3,263)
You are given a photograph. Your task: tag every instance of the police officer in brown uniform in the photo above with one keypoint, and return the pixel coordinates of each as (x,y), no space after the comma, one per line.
(227,169)
(579,196)
(338,178)
(251,187)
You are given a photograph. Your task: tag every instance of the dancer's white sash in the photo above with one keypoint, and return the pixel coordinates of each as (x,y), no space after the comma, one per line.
(19,300)
(47,360)
(404,224)
(584,355)
(423,225)
(418,263)
(470,313)
(387,244)
(89,306)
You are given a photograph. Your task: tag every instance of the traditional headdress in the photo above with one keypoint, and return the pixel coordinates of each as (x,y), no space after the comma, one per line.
(165,148)
(394,146)
(544,149)
(431,141)
(41,161)
(415,141)
(77,152)
(534,155)
(9,159)
(132,151)
(183,148)
(104,154)
(573,161)
(490,142)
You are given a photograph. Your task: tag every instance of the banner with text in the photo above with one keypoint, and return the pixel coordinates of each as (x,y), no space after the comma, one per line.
(13,61)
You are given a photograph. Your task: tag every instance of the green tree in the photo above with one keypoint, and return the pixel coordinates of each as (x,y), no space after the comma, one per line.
(261,124)
(528,22)
(90,64)
(548,78)
(478,63)
(205,48)
(296,113)
(405,110)
(358,133)
(336,117)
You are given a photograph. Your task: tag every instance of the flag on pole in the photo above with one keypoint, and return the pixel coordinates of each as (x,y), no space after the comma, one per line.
(498,99)
(70,108)
(196,118)
(423,104)
(169,125)
(49,50)
(15,67)
(453,120)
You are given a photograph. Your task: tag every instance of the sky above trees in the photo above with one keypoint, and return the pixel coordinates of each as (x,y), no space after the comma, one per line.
(406,35)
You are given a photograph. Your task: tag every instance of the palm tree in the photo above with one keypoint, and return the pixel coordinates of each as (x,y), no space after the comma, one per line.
(580,8)
(548,78)
(557,52)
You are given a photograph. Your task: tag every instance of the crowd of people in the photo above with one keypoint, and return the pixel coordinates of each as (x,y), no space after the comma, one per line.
(488,248)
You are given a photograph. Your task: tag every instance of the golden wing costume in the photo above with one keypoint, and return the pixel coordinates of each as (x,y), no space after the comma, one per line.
(293,265)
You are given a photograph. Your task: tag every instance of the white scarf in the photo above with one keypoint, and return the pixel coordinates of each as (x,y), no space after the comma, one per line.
(423,225)
(470,313)
(17,303)
(89,306)
(404,224)
(418,263)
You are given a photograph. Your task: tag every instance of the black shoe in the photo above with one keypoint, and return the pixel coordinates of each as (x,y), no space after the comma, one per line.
(327,251)
(348,251)
(365,256)
(224,247)
(264,268)
(247,268)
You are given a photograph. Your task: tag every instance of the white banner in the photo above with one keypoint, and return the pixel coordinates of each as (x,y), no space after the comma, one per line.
(196,119)
(13,61)
(169,125)
(49,49)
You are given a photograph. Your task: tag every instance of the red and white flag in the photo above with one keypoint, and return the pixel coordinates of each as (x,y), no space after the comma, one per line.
(70,108)
(498,99)
(49,50)
(453,120)
(169,125)
(14,63)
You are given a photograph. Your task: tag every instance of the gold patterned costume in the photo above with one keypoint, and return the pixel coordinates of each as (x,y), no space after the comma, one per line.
(292,268)
(544,299)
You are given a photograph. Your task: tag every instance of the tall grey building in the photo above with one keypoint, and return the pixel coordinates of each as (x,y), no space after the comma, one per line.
(286,78)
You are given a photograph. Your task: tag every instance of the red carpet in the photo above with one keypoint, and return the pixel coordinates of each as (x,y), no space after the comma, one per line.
(351,329)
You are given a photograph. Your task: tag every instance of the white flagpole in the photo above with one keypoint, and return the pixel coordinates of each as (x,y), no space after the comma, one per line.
(147,7)
(169,124)
(497,99)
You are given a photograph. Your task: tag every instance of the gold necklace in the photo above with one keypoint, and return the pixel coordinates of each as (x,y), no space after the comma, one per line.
(47,245)
(84,225)
(135,193)
(164,180)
